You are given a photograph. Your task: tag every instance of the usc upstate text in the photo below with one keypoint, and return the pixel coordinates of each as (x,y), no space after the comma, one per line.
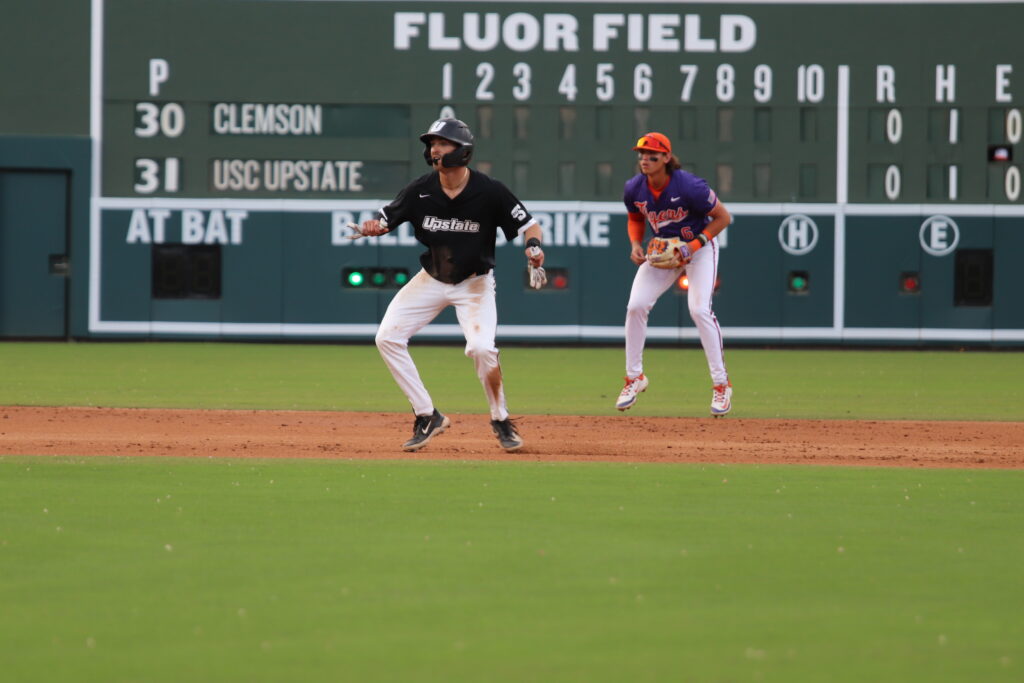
(433,224)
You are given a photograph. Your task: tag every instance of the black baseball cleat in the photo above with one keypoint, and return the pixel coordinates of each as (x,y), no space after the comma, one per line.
(425,428)
(507,435)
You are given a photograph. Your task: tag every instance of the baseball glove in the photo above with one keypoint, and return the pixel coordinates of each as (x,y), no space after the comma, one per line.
(668,252)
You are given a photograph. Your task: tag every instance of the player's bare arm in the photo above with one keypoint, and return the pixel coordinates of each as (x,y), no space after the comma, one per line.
(534,252)
(720,220)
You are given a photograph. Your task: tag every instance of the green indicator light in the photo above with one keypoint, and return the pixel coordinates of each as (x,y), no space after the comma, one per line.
(799,282)
(356,279)
(378,278)
(401,277)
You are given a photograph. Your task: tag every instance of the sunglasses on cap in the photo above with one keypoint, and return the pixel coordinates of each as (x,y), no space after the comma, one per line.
(653,142)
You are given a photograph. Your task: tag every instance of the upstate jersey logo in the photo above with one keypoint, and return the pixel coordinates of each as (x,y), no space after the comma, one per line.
(434,224)
(661,219)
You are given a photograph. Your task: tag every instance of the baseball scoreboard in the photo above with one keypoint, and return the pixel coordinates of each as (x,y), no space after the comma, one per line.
(860,103)
(870,153)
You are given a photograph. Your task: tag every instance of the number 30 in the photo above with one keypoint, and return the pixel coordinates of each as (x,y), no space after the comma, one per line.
(168,120)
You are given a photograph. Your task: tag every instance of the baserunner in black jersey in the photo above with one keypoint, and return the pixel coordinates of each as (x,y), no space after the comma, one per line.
(456,213)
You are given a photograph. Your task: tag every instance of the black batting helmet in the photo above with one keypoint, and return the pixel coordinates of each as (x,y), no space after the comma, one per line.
(451,130)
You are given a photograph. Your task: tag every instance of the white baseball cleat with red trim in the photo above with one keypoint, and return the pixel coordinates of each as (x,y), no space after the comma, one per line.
(630,392)
(721,399)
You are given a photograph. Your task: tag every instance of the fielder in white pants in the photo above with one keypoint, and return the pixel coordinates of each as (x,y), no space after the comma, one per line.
(686,218)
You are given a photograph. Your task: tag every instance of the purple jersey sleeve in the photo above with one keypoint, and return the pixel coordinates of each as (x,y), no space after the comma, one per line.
(699,196)
(629,192)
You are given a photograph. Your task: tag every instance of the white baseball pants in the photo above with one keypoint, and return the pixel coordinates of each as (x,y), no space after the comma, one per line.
(420,301)
(650,283)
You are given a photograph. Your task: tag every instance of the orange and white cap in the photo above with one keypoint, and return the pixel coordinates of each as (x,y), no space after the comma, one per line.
(654,142)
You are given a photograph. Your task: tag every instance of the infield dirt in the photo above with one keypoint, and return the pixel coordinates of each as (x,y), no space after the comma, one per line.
(353,435)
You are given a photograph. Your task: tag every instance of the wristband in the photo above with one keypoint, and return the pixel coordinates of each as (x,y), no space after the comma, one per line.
(533,242)
(703,239)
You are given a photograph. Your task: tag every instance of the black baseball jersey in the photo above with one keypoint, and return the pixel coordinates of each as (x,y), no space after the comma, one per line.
(459,233)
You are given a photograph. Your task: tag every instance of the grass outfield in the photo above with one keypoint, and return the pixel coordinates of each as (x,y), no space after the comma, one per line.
(154,569)
(932,385)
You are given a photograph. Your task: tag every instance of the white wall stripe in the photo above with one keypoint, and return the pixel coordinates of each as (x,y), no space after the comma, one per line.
(615,208)
(96,133)
(842,192)
(565,332)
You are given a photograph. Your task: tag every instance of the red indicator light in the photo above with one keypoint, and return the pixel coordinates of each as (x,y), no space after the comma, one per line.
(910,283)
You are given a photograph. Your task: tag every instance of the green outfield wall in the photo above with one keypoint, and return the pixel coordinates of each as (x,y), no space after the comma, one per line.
(185,169)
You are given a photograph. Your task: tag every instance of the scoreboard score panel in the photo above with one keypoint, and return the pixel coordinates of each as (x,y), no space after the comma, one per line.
(246,132)
(324,99)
